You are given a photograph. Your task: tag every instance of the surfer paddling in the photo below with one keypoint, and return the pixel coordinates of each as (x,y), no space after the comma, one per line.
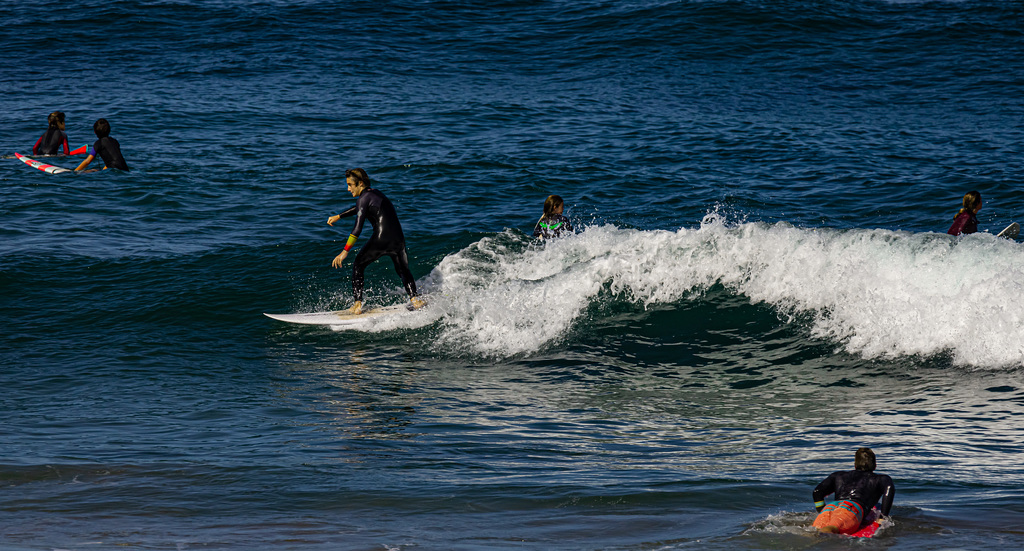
(387,238)
(856,492)
(966,221)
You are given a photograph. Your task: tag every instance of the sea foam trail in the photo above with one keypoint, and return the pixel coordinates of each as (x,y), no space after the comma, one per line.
(880,293)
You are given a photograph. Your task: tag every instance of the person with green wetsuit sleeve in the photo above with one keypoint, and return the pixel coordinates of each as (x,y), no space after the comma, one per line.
(552,224)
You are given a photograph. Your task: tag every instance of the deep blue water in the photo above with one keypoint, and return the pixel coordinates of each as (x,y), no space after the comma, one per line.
(762,282)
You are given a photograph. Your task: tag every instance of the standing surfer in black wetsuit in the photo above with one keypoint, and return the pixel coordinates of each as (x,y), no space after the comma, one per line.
(856,492)
(106,147)
(387,238)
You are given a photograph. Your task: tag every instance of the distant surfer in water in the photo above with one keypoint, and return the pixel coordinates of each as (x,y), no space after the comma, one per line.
(552,223)
(966,220)
(387,238)
(54,138)
(856,492)
(106,147)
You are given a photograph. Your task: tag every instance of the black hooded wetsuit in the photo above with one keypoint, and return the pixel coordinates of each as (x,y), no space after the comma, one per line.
(387,239)
(862,487)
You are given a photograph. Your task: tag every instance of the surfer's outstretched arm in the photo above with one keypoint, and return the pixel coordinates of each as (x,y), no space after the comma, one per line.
(85,163)
(350,212)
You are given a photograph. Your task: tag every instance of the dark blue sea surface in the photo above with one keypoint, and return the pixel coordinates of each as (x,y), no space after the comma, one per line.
(761,282)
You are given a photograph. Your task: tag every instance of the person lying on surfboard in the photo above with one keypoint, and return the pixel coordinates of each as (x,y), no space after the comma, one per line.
(856,492)
(387,238)
(54,138)
(106,147)
(966,221)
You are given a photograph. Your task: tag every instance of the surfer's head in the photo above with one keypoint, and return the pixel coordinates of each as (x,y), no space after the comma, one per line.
(864,460)
(56,120)
(553,205)
(101,128)
(358,181)
(972,202)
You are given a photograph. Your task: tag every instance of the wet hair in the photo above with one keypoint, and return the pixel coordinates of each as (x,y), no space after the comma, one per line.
(101,128)
(864,460)
(359,175)
(552,203)
(56,120)
(972,202)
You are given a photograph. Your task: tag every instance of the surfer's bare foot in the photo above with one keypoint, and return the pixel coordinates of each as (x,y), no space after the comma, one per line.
(417,302)
(356,308)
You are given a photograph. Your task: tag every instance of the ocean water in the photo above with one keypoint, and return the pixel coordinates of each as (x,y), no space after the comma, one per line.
(761,282)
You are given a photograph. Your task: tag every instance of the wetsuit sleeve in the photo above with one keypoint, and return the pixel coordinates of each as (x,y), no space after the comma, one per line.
(35,148)
(568,225)
(67,149)
(350,212)
(536,229)
(823,489)
(958,224)
(360,218)
(887,496)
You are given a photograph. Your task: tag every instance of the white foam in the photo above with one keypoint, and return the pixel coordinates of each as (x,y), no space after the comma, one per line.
(878,293)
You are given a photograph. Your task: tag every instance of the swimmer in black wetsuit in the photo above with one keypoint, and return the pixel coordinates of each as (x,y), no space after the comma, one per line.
(552,223)
(106,147)
(387,238)
(54,138)
(856,492)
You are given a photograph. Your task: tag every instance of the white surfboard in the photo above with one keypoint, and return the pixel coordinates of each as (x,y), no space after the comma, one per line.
(340,318)
(49,169)
(1011,231)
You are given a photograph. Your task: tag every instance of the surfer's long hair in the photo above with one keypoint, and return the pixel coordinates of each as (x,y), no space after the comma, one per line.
(972,202)
(359,174)
(56,120)
(552,203)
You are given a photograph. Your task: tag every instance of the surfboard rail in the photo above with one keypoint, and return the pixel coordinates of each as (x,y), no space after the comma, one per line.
(338,317)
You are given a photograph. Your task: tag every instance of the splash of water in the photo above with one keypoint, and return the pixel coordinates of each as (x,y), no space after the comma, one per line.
(879,293)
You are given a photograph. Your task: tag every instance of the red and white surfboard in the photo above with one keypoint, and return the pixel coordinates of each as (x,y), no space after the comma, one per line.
(49,169)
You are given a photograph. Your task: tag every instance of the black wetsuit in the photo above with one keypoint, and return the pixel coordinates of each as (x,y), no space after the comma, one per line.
(552,226)
(387,239)
(861,487)
(110,151)
(51,142)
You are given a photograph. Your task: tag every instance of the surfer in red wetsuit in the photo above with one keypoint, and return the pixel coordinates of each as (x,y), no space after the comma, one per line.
(966,220)
(387,238)
(105,147)
(54,138)
(856,492)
